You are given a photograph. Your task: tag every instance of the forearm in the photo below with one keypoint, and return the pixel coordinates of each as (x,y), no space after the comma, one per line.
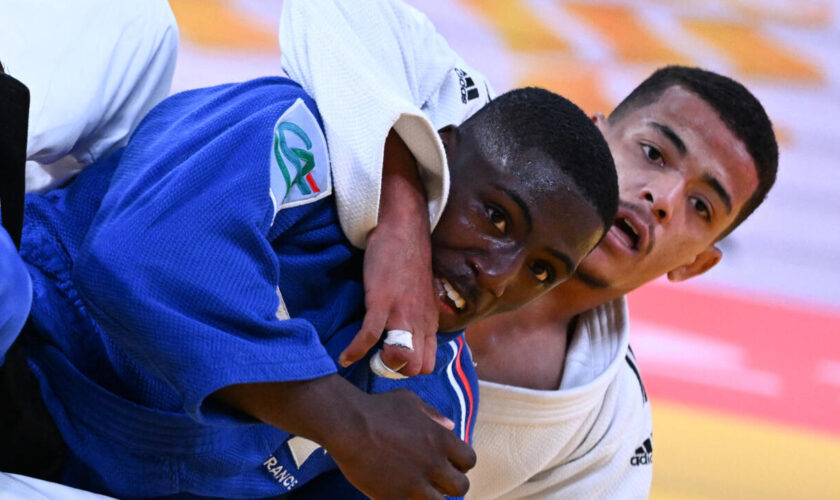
(402,202)
(398,277)
(292,406)
(388,445)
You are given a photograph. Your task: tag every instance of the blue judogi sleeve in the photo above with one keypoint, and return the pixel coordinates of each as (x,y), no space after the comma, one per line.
(15,293)
(177,267)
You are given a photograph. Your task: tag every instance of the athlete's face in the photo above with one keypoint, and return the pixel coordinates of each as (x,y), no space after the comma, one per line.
(683,177)
(507,236)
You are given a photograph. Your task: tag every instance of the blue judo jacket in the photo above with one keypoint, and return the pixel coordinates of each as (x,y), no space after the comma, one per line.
(205,253)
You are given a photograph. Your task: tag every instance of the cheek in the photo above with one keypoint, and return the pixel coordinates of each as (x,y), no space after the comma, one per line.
(673,252)
(630,167)
(454,230)
(521,297)
(524,290)
(630,177)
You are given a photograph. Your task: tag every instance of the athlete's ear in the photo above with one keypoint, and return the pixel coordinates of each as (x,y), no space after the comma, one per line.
(702,262)
(450,135)
(600,121)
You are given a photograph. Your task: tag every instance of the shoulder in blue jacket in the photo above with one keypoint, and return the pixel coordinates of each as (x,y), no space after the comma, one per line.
(205,253)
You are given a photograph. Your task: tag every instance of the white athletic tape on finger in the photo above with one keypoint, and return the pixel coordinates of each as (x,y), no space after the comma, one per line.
(380,368)
(402,338)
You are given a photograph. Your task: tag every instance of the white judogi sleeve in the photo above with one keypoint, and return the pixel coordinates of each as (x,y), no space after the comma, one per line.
(93,68)
(372,66)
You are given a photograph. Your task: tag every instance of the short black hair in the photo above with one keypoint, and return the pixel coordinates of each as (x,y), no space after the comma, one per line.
(737,108)
(535,119)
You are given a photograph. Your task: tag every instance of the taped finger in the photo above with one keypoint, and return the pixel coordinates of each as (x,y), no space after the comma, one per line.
(402,338)
(380,368)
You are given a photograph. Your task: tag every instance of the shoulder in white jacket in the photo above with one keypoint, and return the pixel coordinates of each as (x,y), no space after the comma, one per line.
(93,68)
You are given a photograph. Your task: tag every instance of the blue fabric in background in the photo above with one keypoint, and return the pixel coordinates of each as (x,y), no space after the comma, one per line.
(15,293)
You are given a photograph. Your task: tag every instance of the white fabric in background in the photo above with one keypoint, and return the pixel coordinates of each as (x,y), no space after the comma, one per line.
(17,487)
(93,68)
(403,76)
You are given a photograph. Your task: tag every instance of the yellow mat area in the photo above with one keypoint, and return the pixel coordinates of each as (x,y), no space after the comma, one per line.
(699,455)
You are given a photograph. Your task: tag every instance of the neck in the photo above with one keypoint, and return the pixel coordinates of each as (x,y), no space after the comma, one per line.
(526,347)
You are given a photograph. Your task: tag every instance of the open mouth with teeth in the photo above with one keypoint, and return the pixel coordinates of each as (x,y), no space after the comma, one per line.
(451,297)
(624,229)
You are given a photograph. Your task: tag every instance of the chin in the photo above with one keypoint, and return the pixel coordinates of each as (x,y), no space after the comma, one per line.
(594,271)
(448,324)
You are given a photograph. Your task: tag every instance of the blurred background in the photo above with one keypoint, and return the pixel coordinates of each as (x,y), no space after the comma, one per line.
(743,364)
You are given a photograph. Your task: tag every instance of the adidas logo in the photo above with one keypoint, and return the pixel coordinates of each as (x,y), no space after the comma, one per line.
(468,89)
(643,455)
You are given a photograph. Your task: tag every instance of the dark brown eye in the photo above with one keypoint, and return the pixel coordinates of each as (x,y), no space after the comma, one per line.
(653,154)
(702,209)
(543,272)
(498,218)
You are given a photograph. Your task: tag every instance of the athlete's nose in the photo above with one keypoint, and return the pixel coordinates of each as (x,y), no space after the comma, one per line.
(663,197)
(496,269)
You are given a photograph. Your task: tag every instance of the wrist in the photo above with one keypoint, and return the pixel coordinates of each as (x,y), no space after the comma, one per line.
(314,409)
(339,427)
